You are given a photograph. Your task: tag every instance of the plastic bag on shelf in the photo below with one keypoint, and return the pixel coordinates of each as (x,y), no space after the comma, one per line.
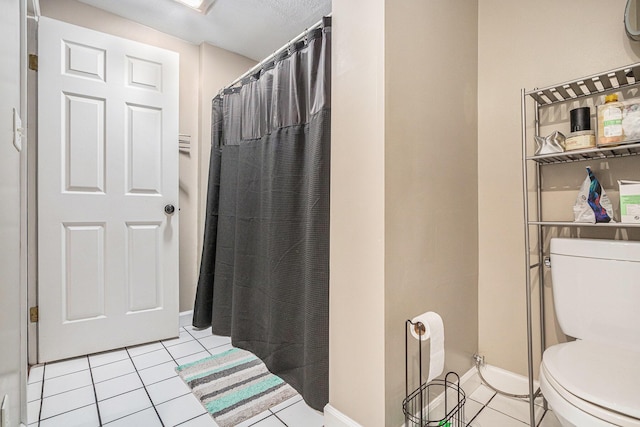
(592,204)
(550,144)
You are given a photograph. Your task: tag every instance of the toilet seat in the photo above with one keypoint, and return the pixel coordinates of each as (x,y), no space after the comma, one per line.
(596,379)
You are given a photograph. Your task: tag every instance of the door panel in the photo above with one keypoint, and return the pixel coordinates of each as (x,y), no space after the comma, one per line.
(107,166)
(84,139)
(83,276)
(144,278)
(144,161)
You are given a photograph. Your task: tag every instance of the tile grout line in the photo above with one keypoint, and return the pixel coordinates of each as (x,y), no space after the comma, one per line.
(128,415)
(177,364)
(194,339)
(476,415)
(65,391)
(208,350)
(116,377)
(491,398)
(279,419)
(288,406)
(483,406)
(190,391)
(65,412)
(182,423)
(544,414)
(511,416)
(167,349)
(81,370)
(144,386)
(95,394)
(502,413)
(44,367)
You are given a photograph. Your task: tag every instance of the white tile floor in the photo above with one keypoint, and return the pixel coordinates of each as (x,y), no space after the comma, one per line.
(138,387)
(485,408)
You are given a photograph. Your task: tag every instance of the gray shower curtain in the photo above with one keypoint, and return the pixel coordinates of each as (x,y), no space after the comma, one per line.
(264,274)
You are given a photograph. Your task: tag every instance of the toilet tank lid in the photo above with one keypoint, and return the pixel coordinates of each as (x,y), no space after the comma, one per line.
(598,373)
(596,248)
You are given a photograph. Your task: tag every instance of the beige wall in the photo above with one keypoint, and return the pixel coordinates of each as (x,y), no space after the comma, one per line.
(431,247)
(527,45)
(219,67)
(356,295)
(403,200)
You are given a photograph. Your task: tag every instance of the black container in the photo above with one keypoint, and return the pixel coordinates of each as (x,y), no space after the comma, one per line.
(580,119)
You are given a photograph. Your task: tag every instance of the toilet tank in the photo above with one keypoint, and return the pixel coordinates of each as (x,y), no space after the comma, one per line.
(596,290)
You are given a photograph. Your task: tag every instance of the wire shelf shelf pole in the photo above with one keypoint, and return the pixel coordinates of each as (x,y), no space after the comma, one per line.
(525,198)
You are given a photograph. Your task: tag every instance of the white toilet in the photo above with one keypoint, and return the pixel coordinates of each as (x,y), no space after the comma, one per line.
(595,380)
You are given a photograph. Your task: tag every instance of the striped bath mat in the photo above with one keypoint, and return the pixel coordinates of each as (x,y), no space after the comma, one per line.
(234,386)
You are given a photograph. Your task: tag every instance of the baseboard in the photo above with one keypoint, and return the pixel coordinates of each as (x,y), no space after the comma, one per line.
(186,318)
(507,380)
(470,381)
(335,418)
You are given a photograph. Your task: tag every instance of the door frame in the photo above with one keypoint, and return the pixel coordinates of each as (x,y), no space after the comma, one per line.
(32,192)
(27,226)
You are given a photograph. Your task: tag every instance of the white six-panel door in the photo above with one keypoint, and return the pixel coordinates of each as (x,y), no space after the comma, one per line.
(107,167)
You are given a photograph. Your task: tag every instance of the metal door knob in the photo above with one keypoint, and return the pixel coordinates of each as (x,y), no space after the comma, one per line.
(169,209)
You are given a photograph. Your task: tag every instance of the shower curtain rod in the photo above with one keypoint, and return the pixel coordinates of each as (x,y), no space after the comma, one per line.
(273,55)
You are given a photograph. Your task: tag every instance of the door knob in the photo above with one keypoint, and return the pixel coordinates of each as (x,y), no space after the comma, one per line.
(169,209)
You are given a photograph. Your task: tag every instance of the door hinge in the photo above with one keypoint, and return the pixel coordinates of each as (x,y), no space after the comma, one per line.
(33,62)
(33,314)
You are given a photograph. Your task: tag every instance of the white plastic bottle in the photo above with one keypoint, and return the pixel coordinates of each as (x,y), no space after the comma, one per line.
(611,121)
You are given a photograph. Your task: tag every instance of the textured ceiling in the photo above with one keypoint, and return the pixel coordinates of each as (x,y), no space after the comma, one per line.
(253,28)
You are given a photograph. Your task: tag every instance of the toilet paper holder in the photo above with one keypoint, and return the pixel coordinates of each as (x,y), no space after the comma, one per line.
(420,408)
(419,328)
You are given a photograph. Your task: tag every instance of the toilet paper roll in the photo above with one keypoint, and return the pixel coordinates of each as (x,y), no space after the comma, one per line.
(434,330)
